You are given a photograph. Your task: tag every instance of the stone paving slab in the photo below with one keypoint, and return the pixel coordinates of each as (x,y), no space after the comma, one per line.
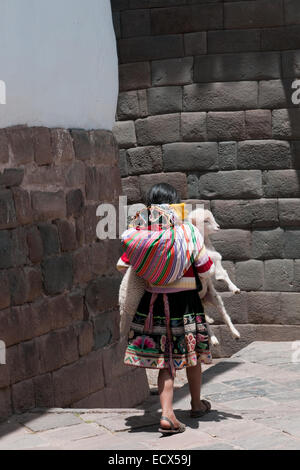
(255,398)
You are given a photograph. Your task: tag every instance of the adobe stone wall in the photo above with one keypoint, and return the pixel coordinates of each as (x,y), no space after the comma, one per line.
(59,287)
(205,104)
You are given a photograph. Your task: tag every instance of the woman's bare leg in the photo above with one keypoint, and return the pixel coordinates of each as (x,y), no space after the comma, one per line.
(166,390)
(194,376)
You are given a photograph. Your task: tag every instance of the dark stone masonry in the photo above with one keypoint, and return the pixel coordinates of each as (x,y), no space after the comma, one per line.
(206,104)
(58,298)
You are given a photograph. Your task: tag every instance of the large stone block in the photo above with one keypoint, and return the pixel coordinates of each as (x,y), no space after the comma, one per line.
(131,189)
(158,129)
(279,275)
(35,244)
(23,396)
(70,383)
(104,326)
(74,174)
(281,183)
(193,186)
(233,41)
(150,48)
(57,273)
(227,96)
(264,155)
(50,239)
(20,144)
(67,235)
(274,94)
(128,105)
(48,205)
(292,244)
(250,275)
(102,294)
(233,244)
(34,283)
(134,76)
(178,180)
(11,177)
(43,391)
(18,286)
(290,64)
(113,361)
(19,246)
(190,156)
(289,212)
(75,203)
(286,123)
(172,71)
(258,124)
(292,13)
(23,361)
(62,146)
(268,243)
(250,14)
(22,206)
(186,19)
(57,348)
(195,43)
(231,185)
(135,23)
(290,308)
(144,160)
(227,155)
(226,126)
(42,145)
(246,214)
(165,99)
(8,218)
(85,334)
(193,127)
(264,307)
(124,133)
(280,39)
(235,67)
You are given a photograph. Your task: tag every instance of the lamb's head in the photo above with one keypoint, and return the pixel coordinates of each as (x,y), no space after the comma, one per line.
(210,224)
(204,221)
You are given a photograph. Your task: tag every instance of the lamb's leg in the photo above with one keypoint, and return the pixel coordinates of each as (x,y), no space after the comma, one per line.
(221,308)
(213,338)
(222,275)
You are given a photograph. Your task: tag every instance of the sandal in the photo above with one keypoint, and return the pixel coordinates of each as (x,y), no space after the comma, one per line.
(200,413)
(171,430)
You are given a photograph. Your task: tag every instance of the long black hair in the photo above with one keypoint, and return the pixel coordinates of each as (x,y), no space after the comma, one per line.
(162,193)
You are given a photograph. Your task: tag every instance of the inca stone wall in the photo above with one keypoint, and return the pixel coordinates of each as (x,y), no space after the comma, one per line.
(58,298)
(205,103)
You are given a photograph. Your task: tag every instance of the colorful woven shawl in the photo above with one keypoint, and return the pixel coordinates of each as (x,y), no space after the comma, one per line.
(162,251)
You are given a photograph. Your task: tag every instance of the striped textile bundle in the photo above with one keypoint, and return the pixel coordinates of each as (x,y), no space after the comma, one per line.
(162,256)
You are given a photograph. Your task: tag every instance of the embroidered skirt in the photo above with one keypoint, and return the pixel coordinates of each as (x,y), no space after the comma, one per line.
(173,335)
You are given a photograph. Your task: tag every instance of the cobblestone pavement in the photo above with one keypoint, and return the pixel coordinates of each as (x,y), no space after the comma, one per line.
(255,398)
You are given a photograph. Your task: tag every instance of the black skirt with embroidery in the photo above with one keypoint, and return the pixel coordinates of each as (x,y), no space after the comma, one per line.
(175,340)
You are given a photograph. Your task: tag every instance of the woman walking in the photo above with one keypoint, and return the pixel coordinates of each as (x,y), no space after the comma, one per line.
(168,331)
